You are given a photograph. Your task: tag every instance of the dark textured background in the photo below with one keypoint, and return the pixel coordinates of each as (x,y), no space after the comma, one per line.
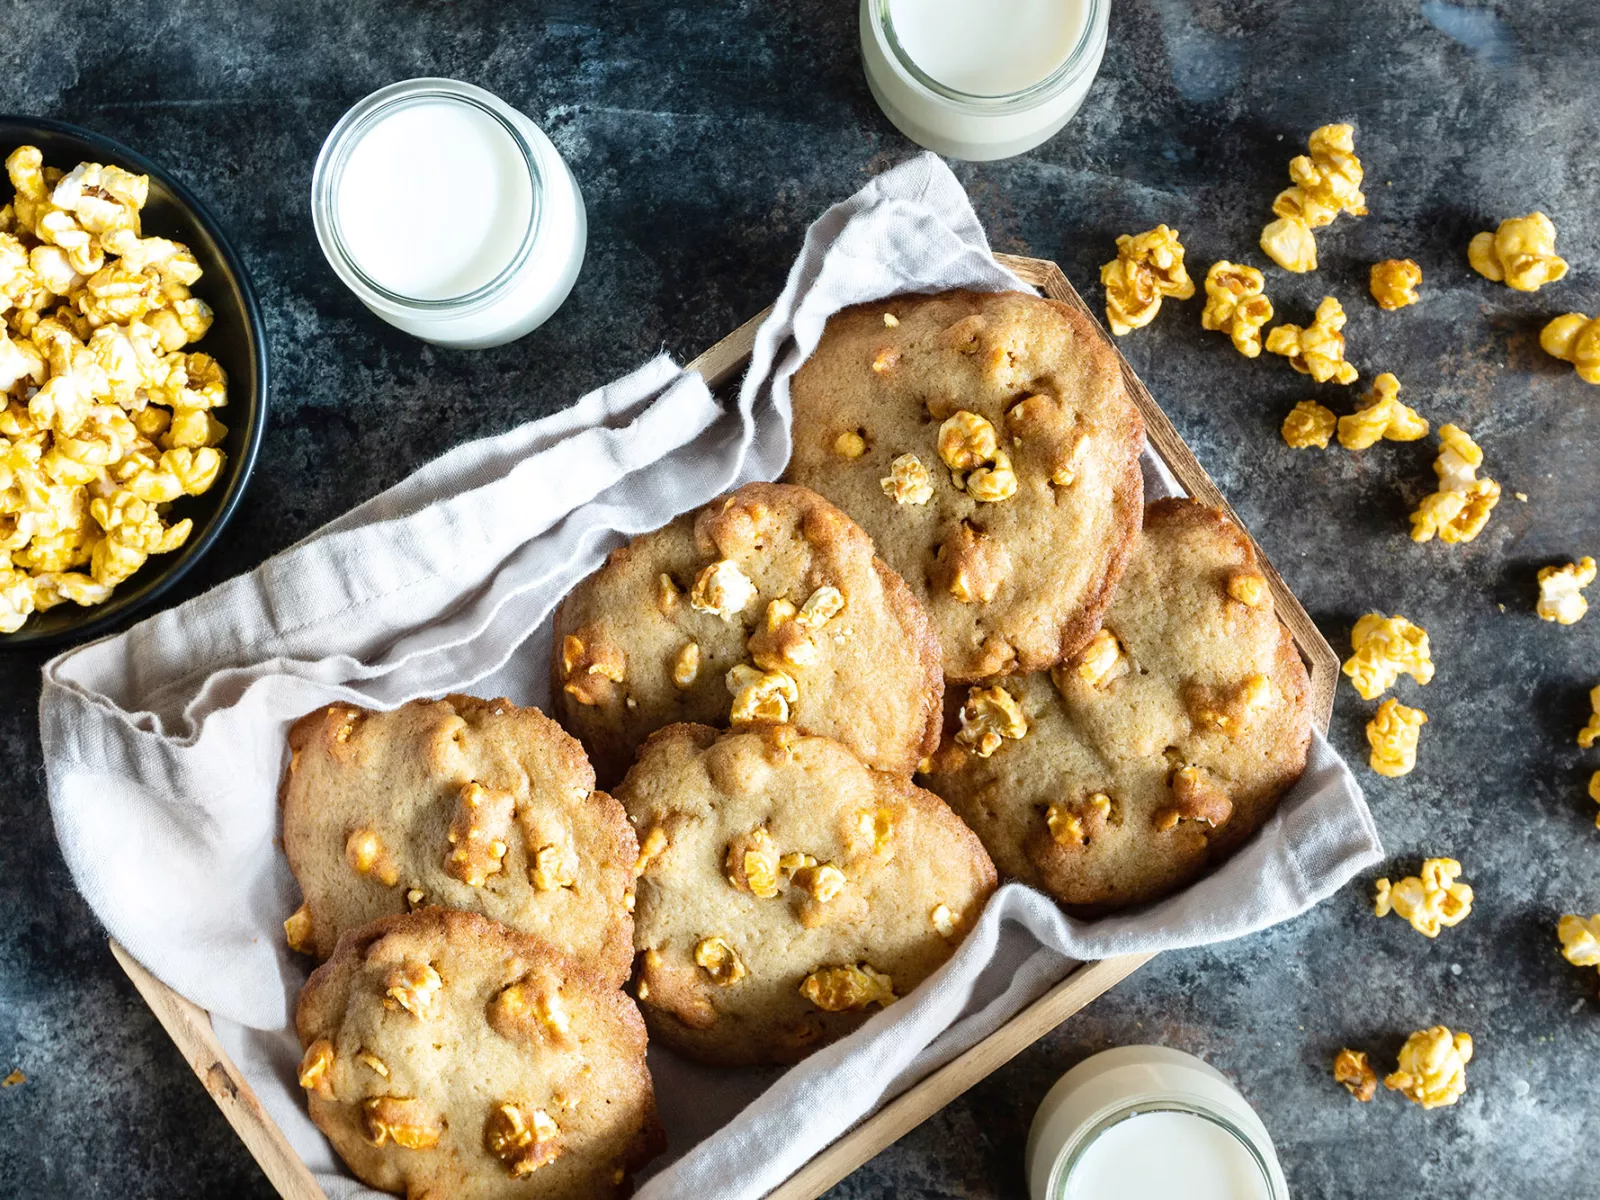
(706,136)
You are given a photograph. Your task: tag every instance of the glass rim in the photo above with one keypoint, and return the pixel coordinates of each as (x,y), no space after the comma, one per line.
(1061,1176)
(335,154)
(1035,94)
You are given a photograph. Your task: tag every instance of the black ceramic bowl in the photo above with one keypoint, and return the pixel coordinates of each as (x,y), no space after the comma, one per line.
(237,340)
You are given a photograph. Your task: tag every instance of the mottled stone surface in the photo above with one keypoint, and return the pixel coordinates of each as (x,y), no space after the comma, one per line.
(705,137)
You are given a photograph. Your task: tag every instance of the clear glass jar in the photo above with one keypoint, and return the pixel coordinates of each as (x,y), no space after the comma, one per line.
(977,127)
(540,266)
(1198,1130)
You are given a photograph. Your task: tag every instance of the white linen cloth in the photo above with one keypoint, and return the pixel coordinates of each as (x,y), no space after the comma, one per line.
(164,745)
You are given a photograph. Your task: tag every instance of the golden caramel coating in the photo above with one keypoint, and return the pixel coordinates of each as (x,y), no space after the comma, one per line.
(1574,338)
(1350,1067)
(1580,937)
(1430,900)
(1394,283)
(1289,242)
(1521,253)
(1327,182)
(1236,305)
(1393,733)
(990,716)
(908,481)
(1561,596)
(1309,424)
(1460,508)
(1382,418)
(1317,349)
(1433,1067)
(1384,649)
(1148,268)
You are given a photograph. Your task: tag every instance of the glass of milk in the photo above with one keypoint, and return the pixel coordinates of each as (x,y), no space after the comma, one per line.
(982,79)
(448,213)
(1149,1123)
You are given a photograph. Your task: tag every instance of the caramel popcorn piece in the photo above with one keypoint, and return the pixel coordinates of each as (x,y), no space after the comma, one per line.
(478,833)
(1394,283)
(1197,797)
(1074,826)
(908,481)
(1099,664)
(943,920)
(365,852)
(993,483)
(1350,1067)
(1382,417)
(795,861)
(1590,733)
(652,847)
(686,665)
(1392,734)
(971,565)
(1309,424)
(1289,242)
(523,1138)
(1236,305)
(1521,253)
(367,1059)
(850,444)
(1433,1067)
(314,1067)
(841,989)
(823,883)
(1386,648)
(1148,267)
(885,360)
(722,590)
(1561,591)
(297,931)
(555,865)
(1250,589)
(967,440)
(717,959)
(1317,349)
(401,1120)
(1431,901)
(1460,508)
(1574,338)
(591,665)
(1326,182)
(515,1003)
(760,696)
(1226,709)
(1580,939)
(667,595)
(990,715)
(415,987)
(751,864)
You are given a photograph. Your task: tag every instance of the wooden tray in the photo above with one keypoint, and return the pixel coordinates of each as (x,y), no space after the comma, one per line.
(190,1026)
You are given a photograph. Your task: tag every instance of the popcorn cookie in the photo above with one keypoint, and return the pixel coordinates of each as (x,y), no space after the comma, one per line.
(448,1056)
(456,803)
(1126,772)
(786,890)
(988,445)
(768,605)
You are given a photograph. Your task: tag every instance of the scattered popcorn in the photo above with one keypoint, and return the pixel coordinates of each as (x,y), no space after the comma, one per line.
(908,481)
(1074,826)
(1561,591)
(967,440)
(1393,735)
(722,590)
(990,715)
(993,483)
(1309,424)
(1386,648)
(1327,182)
(1431,901)
(1101,662)
(1590,733)
(1317,349)
(1574,338)
(1148,267)
(824,882)
(718,960)
(1394,283)
(1350,1067)
(1521,253)
(1580,939)
(1433,1067)
(839,989)
(1381,418)
(1236,306)
(1459,510)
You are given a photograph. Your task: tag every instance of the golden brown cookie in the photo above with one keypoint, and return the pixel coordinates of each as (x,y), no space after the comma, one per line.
(457,803)
(787,891)
(1130,769)
(989,447)
(767,605)
(449,1058)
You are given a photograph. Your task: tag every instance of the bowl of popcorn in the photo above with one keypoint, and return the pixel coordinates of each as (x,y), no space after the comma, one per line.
(133,375)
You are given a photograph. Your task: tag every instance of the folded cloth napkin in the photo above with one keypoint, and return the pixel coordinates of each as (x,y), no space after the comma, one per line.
(164,745)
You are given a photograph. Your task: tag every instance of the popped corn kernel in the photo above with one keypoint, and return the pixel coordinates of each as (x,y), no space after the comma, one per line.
(1148,267)
(795,861)
(401,1120)
(478,833)
(720,961)
(1381,418)
(1521,253)
(314,1067)
(967,440)
(368,1059)
(993,483)
(1430,901)
(667,595)
(1309,424)
(1250,589)
(522,1138)
(1327,180)
(760,696)
(1196,796)
(1574,338)
(555,866)
(722,590)
(367,855)
(414,987)
(990,715)
(297,931)
(1394,283)
(1580,939)
(783,641)
(1350,1067)
(652,847)
(1289,242)
(1236,305)
(1561,591)
(824,882)
(842,988)
(1433,1067)
(1459,510)
(1316,349)
(751,864)
(1099,664)
(943,920)
(908,481)
(1386,648)
(1590,733)
(1074,825)
(1393,733)
(686,665)
(850,444)
(822,606)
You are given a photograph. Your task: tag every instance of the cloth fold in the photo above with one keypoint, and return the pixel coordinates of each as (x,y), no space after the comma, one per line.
(164,744)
